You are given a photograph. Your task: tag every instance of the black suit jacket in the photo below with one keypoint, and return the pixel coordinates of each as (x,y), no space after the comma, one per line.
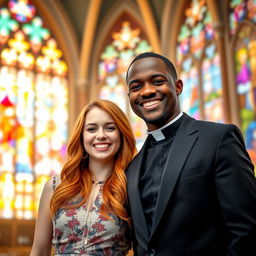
(206,204)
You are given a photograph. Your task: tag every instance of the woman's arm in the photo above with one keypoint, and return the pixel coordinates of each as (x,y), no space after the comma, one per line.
(43,230)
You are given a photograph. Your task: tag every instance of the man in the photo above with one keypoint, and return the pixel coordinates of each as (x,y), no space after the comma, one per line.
(191,188)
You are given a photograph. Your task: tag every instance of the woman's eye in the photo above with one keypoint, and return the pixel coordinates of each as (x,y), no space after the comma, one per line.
(110,128)
(91,129)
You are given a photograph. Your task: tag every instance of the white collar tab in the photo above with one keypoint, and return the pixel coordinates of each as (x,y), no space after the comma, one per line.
(158,134)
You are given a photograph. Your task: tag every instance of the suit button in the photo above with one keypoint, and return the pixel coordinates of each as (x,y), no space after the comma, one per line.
(152,252)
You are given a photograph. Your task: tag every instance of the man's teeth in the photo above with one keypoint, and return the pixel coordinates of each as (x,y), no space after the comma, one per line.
(150,103)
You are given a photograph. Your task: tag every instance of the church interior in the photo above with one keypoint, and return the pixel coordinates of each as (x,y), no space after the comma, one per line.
(58,55)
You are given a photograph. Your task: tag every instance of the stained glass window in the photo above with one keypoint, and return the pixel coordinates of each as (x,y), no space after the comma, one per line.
(125,43)
(190,95)
(242,27)
(33,108)
(199,65)
(212,89)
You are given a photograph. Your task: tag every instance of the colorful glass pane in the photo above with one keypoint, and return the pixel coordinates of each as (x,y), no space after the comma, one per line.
(114,61)
(25,117)
(237,14)
(18,43)
(7,191)
(245,59)
(9,57)
(9,127)
(43,64)
(6,25)
(33,109)
(51,50)
(139,128)
(50,130)
(59,68)
(212,89)
(196,29)
(22,10)
(26,60)
(199,64)
(37,33)
(239,11)
(190,95)
(251,10)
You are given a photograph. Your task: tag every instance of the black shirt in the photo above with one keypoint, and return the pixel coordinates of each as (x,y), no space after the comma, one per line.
(154,165)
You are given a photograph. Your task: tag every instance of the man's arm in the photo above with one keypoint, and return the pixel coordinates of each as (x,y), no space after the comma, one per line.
(236,191)
(132,234)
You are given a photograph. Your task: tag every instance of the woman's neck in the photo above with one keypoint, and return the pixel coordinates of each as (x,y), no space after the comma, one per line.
(100,171)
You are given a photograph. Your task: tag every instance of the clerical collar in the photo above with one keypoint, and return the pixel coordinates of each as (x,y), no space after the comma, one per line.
(158,134)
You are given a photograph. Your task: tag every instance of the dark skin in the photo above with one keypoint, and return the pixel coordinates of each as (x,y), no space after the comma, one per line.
(153,91)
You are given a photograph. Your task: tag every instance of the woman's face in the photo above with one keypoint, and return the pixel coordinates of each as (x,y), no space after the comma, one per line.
(101,136)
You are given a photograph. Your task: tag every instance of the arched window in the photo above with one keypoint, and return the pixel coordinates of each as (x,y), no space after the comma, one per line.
(199,65)
(33,108)
(242,20)
(125,41)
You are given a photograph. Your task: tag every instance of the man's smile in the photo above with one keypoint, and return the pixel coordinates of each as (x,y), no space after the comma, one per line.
(148,105)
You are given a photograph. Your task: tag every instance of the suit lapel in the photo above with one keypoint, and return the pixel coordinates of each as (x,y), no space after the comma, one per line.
(182,145)
(134,193)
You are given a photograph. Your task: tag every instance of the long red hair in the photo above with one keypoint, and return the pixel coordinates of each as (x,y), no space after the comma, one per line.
(75,176)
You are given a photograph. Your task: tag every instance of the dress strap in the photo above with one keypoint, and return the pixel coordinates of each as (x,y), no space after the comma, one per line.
(55,181)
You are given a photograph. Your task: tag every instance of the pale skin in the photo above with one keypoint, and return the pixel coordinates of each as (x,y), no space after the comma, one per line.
(43,230)
(101,141)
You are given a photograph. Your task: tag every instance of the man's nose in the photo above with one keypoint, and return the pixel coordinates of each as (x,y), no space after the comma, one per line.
(148,89)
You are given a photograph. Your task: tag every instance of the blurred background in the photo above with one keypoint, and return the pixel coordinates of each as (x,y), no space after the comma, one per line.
(58,55)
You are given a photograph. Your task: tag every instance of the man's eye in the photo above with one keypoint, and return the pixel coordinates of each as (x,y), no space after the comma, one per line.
(158,82)
(135,87)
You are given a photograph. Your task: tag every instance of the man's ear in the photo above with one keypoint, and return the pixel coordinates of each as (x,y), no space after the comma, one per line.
(179,86)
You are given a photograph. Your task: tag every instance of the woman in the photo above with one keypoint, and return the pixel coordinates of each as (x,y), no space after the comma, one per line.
(82,212)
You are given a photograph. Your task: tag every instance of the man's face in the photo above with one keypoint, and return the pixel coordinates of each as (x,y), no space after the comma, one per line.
(153,92)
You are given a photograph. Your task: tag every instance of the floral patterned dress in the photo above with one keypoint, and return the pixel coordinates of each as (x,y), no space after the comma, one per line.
(76,232)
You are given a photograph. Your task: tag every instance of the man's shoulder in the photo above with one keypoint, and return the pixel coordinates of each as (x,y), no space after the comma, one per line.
(134,162)
(213,124)
(204,123)
(135,158)
(211,127)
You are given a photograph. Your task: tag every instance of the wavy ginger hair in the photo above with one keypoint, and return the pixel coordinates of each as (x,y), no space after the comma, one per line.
(75,176)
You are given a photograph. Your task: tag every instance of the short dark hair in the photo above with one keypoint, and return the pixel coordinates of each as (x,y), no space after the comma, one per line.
(167,62)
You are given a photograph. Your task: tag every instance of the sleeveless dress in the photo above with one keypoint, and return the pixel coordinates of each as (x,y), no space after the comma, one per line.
(76,232)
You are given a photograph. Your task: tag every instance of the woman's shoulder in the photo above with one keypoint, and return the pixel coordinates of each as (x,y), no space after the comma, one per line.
(55,181)
(48,189)
(52,183)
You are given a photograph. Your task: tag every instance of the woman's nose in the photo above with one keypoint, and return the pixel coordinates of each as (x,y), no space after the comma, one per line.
(101,134)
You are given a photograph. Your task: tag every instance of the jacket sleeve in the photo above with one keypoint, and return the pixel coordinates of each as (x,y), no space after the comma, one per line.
(236,191)
(132,234)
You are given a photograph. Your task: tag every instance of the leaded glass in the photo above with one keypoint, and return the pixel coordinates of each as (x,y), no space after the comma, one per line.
(242,23)
(190,94)
(33,108)
(114,60)
(212,89)
(196,29)
(199,64)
